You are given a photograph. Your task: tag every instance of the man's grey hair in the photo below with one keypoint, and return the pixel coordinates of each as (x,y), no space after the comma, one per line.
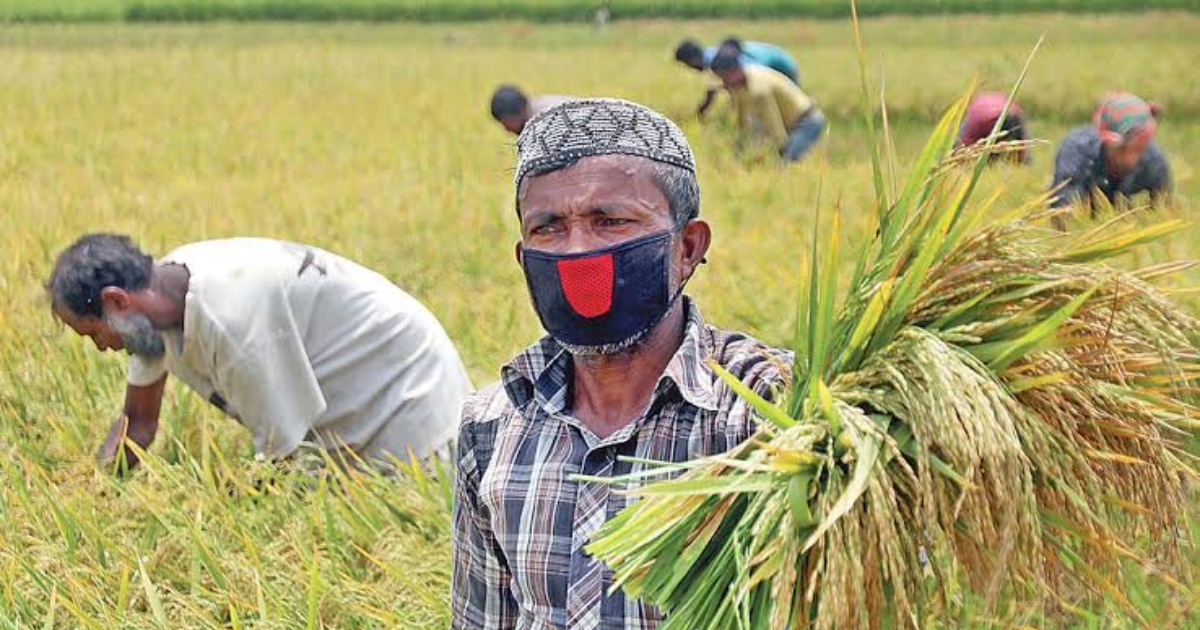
(680,188)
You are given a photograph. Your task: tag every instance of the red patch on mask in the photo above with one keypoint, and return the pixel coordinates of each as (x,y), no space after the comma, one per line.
(587,284)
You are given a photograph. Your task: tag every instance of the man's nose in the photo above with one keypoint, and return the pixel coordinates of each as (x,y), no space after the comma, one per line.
(581,239)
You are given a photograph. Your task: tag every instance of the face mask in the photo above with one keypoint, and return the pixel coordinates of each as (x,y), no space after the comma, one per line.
(605,300)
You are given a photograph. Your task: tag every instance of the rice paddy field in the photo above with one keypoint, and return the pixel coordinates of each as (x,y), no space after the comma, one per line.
(375,141)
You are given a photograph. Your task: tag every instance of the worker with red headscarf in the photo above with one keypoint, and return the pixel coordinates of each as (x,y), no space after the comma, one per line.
(1115,156)
(981,117)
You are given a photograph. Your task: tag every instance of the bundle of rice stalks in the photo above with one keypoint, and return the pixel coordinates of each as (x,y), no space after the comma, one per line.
(992,414)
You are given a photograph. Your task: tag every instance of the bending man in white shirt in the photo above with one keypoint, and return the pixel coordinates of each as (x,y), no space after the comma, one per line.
(296,343)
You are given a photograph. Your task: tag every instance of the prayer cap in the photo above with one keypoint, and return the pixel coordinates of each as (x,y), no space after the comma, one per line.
(599,126)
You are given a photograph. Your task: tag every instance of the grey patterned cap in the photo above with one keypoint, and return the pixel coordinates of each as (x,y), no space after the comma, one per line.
(599,126)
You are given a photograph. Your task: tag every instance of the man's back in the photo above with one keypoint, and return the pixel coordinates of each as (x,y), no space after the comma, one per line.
(761,54)
(301,344)
(773,57)
(770,102)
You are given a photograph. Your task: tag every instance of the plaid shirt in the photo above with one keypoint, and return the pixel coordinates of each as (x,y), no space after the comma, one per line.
(520,521)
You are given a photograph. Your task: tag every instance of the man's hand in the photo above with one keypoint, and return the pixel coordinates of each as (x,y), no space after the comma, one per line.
(113,447)
(710,95)
(139,423)
(115,454)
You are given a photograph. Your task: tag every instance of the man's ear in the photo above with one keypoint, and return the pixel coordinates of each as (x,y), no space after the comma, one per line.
(694,239)
(115,299)
(517,252)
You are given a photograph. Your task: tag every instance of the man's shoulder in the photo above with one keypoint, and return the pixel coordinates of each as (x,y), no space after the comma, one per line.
(1155,154)
(1080,145)
(766,82)
(220,249)
(487,405)
(238,264)
(1154,171)
(758,76)
(1080,137)
(754,362)
(760,50)
(484,412)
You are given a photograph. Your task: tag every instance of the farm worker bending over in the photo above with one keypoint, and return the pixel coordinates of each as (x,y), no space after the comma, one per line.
(690,54)
(981,116)
(608,206)
(1114,156)
(511,108)
(296,343)
(769,105)
(759,53)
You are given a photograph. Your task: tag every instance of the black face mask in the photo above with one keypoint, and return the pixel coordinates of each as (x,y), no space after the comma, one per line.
(606,298)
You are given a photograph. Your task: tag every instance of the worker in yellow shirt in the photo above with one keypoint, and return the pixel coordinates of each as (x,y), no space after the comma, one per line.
(768,103)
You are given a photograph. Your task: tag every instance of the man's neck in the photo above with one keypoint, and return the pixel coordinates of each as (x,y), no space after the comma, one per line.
(166,297)
(610,391)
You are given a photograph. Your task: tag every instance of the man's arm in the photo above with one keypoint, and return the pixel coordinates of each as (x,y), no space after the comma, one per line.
(710,95)
(1071,181)
(1071,168)
(481,590)
(138,422)
(1158,178)
(771,120)
(742,113)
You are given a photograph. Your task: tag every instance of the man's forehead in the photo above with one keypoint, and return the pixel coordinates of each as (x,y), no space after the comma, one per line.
(615,166)
(73,321)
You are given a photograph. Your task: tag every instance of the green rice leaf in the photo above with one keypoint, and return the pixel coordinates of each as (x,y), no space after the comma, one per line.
(881,202)
(866,450)
(1017,349)
(708,486)
(766,409)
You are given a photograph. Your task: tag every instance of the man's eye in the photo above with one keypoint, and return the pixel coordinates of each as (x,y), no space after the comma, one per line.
(613,221)
(547,228)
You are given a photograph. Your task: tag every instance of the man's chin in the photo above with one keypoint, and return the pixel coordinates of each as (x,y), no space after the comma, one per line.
(148,351)
(625,346)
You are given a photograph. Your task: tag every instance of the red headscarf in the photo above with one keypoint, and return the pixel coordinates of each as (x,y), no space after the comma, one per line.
(982,114)
(1123,116)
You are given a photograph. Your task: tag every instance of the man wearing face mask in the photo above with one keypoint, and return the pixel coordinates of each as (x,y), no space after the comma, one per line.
(608,204)
(1114,156)
(298,344)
